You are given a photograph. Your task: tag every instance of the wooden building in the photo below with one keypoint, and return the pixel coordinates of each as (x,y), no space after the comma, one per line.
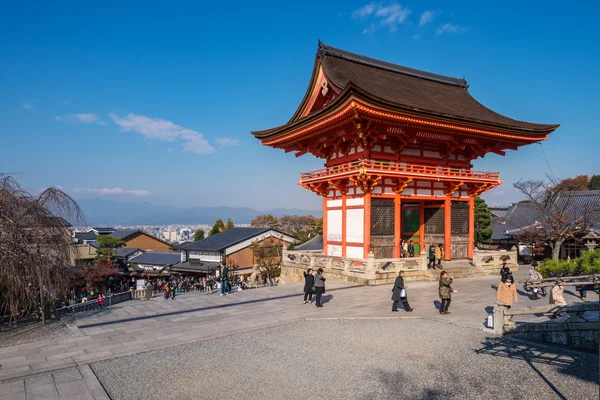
(232,247)
(397,145)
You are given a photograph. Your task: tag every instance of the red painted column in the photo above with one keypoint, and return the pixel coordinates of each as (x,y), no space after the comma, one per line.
(367,227)
(397,226)
(447,228)
(471,227)
(325,225)
(344,226)
(422,228)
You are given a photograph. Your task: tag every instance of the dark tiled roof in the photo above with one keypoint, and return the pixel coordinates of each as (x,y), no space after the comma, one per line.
(500,227)
(81,236)
(315,243)
(225,239)
(521,216)
(408,90)
(124,252)
(196,267)
(498,211)
(122,234)
(95,244)
(157,258)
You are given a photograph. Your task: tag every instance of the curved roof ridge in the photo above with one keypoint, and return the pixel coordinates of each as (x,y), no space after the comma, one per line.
(373,62)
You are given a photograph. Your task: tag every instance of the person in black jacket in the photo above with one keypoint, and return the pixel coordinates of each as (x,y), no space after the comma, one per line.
(397,295)
(309,281)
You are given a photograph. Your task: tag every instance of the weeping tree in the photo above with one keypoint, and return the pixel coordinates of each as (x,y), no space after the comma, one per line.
(35,249)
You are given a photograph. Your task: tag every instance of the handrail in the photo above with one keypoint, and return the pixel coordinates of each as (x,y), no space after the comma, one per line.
(395,167)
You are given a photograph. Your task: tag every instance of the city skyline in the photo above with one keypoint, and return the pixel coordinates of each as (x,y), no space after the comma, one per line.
(109,107)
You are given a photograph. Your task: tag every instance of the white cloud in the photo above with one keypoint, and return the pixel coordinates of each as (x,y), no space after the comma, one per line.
(427,17)
(390,15)
(160,129)
(370,29)
(364,11)
(113,191)
(83,118)
(27,106)
(450,28)
(228,142)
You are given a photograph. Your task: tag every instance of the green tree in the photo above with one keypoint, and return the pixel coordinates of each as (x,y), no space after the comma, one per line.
(218,227)
(107,246)
(265,221)
(483,220)
(594,182)
(229,224)
(199,235)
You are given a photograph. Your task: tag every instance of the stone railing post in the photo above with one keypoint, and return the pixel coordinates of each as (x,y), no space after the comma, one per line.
(423,260)
(370,267)
(312,261)
(329,263)
(499,319)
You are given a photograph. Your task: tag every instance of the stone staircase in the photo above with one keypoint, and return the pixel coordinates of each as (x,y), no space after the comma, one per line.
(458,269)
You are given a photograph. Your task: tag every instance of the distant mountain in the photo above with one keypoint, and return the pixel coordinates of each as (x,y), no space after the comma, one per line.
(107,212)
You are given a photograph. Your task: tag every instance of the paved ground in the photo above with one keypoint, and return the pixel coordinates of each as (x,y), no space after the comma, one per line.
(139,326)
(34,332)
(353,359)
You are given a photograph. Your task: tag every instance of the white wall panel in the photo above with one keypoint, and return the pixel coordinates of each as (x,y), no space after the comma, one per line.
(334,250)
(355,220)
(334,203)
(355,202)
(334,225)
(354,252)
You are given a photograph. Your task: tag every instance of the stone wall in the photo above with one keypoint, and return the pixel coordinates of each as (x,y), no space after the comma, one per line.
(492,260)
(368,271)
(584,339)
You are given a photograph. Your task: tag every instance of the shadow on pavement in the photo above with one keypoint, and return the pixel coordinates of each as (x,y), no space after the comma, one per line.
(168,314)
(397,385)
(580,365)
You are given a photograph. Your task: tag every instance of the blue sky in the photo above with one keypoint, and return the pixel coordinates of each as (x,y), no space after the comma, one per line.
(145,101)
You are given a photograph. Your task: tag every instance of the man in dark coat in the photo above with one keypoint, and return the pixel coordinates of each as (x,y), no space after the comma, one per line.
(397,293)
(309,282)
(411,248)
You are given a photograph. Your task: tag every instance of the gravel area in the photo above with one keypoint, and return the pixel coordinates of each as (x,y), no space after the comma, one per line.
(353,359)
(34,332)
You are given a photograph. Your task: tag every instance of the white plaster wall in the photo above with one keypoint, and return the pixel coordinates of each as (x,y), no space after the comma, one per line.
(377,148)
(423,184)
(354,252)
(422,192)
(355,202)
(334,203)
(355,220)
(334,250)
(377,190)
(439,193)
(388,190)
(388,149)
(334,225)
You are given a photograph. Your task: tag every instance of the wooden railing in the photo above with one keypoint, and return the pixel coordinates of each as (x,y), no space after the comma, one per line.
(401,169)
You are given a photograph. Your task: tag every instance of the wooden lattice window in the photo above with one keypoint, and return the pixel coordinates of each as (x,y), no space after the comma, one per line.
(382,217)
(460,218)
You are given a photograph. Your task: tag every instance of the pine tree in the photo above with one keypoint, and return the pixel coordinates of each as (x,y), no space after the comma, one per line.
(594,182)
(229,224)
(218,227)
(198,235)
(483,219)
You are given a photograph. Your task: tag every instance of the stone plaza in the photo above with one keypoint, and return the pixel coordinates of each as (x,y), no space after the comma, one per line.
(265,339)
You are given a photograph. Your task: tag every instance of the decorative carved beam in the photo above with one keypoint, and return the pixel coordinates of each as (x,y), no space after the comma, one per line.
(320,188)
(365,181)
(401,184)
(477,189)
(341,185)
(452,187)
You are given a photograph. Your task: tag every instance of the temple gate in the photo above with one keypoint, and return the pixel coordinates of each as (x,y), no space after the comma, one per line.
(398,145)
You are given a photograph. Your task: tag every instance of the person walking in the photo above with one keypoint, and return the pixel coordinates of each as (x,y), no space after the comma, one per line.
(507,292)
(309,281)
(431,257)
(399,293)
(534,275)
(411,248)
(224,280)
(439,254)
(445,291)
(319,286)
(100,300)
(166,291)
(172,290)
